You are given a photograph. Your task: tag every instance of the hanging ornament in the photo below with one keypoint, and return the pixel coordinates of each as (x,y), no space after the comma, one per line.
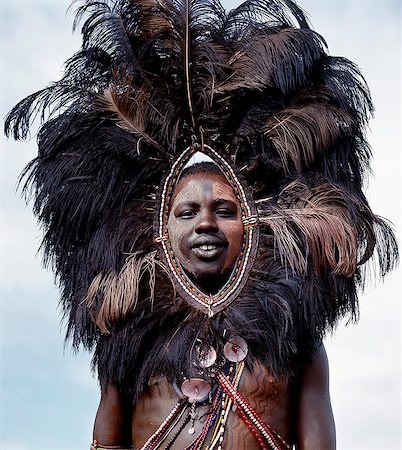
(193,416)
(206,356)
(195,389)
(235,349)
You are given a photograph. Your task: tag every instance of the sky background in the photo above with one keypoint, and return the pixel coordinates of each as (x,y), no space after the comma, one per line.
(48,397)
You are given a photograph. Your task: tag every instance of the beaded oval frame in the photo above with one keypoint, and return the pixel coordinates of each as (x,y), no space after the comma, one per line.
(208,303)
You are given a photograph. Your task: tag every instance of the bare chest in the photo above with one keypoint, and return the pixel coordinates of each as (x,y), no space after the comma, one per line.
(268,397)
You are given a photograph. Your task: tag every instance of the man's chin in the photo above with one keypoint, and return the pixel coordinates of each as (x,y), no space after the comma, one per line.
(209,280)
(206,272)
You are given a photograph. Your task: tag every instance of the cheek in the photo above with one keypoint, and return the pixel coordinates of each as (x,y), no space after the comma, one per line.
(177,237)
(234,235)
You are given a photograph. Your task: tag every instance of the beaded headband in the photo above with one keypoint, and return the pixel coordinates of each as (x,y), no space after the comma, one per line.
(208,303)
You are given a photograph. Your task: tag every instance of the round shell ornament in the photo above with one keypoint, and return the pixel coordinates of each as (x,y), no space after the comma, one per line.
(206,356)
(195,389)
(235,349)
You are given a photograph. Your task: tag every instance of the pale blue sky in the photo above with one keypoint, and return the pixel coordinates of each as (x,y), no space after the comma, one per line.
(48,398)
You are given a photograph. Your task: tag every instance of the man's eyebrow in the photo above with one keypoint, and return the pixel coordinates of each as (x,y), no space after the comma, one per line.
(219,201)
(187,204)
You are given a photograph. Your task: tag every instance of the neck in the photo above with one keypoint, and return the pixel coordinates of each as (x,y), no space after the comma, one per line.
(210,284)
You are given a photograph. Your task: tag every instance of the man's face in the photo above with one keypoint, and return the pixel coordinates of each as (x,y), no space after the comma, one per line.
(205,226)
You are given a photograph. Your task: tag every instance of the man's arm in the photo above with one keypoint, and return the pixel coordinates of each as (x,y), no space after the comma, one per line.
(315,421)
(113,420)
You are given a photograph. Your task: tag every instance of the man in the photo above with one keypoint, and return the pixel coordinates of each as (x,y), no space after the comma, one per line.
(206,233)
(256,91)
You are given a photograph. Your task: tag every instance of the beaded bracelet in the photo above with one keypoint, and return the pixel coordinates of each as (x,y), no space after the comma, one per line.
(96,446)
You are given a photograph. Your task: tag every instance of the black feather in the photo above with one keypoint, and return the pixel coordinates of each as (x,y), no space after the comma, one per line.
(257,85)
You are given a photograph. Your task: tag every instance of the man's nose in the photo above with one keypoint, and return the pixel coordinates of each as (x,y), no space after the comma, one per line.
(206,223)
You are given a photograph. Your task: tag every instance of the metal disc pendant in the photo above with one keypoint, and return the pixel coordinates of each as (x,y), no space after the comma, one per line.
(191,430)
(196,389)
(206,356)
(235,349)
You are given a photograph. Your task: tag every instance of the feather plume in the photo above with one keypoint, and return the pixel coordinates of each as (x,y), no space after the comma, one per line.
(315,227)
(272,58)
(187,59)
(327,228)
(348,88)
(301,133)
(290,118)
(378,249)
(273,13)
(119,292)
(127,108)
(106,30)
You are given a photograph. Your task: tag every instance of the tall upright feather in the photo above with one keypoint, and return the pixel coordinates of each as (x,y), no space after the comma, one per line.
(187,59)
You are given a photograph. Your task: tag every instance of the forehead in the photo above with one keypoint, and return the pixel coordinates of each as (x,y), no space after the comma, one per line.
(198,186)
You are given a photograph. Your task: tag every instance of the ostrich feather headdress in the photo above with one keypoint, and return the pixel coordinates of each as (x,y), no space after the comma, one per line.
(255,84)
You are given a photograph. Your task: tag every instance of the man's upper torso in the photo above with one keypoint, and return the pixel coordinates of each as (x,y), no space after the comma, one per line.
(271,398)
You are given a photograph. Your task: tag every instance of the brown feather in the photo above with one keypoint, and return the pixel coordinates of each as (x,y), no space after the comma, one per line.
(119,291)
(301,133)
(317,227)
(265,56)
(128,108)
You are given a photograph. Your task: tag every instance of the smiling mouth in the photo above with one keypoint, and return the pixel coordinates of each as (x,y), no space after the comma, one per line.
(208,251)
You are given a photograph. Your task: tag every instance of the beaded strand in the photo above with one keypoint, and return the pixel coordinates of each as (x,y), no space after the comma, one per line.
(210,421)
(172,426)
(226,395)
(164,426)
(265,429)
(177,432)
(218,435)
(252,429)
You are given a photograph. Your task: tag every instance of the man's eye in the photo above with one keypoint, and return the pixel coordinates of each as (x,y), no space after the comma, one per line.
(188,214)
(225,212)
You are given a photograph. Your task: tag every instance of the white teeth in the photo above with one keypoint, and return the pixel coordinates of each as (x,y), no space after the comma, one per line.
(208,247)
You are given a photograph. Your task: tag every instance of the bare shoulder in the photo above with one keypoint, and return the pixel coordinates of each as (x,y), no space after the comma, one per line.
(315,371)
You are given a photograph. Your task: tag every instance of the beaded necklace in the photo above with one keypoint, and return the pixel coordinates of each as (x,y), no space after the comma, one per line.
(226,399)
